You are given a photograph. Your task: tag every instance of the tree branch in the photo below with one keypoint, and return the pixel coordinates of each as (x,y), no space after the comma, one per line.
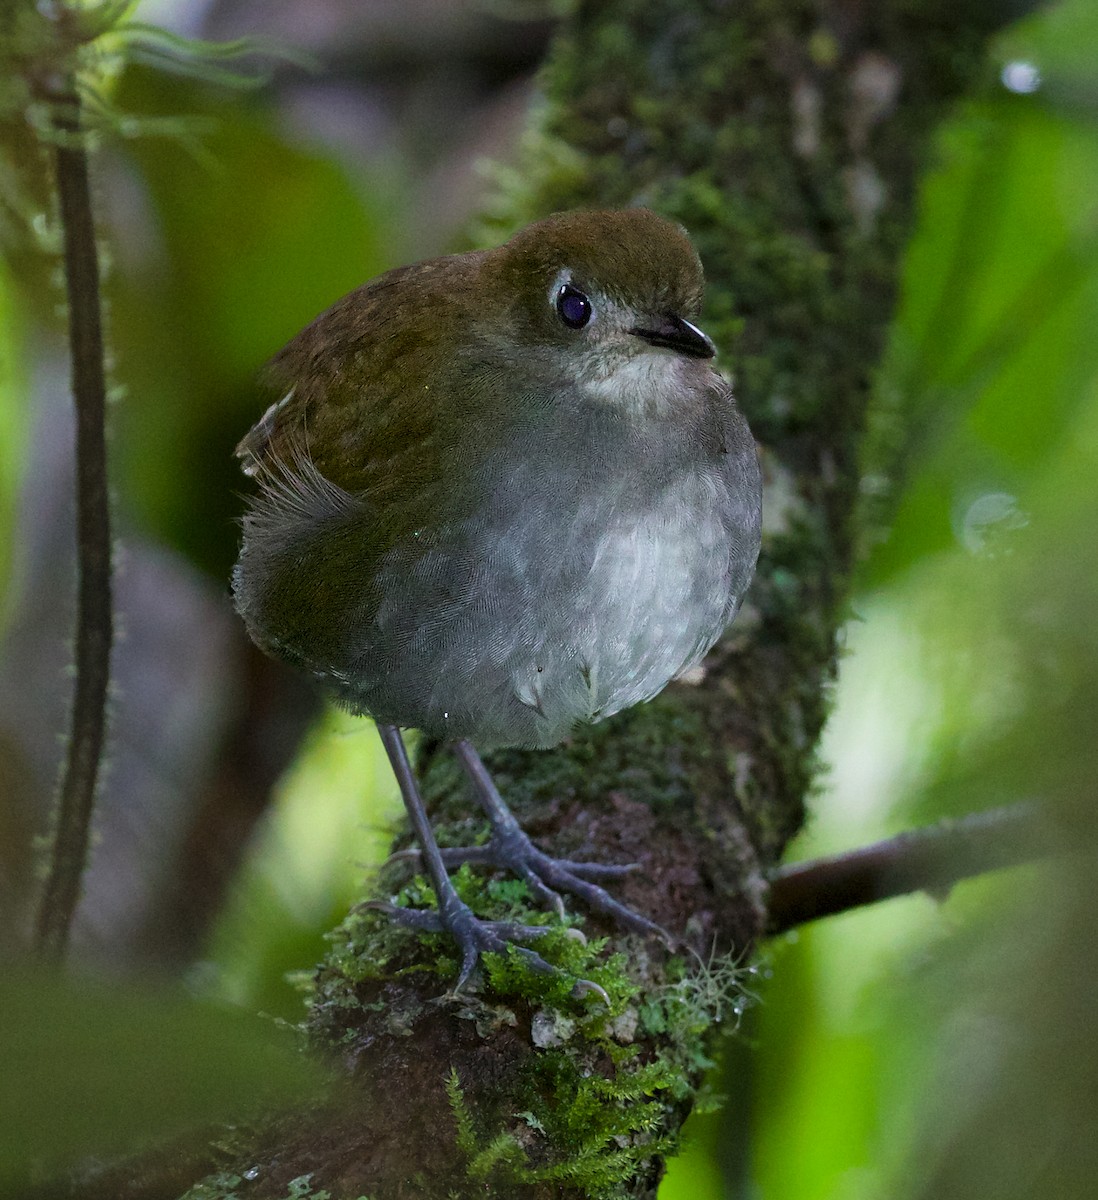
(94,623)
(921,860)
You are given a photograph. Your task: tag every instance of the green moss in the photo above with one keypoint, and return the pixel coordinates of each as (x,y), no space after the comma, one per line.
(590,1129)
(649,750)
(590,1110)
(369,947)
(600,1082)
(221,1186)
(226,1185)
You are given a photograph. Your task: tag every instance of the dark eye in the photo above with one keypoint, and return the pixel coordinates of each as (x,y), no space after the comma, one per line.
(573,306)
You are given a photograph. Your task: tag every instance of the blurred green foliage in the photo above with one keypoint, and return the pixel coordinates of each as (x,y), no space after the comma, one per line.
(13,429)
(94,1069)
(221,240)
(993,348)
(247,236)
(331,821)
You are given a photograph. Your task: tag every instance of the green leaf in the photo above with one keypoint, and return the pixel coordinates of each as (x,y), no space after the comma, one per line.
(250,237)
(89,1068)
(993,346)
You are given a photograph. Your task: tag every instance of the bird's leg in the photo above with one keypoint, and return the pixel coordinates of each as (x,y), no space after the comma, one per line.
(510,848)
(473,935)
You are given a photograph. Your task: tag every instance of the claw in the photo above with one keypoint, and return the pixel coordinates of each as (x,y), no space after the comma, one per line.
(584,987)
(547,877)
(415,918)
(469,956)
(475,937)
(541,891)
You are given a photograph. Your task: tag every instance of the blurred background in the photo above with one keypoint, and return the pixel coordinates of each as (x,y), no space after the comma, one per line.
(929,1046)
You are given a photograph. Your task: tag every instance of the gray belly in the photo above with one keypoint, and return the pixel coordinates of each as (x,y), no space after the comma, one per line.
(513,630)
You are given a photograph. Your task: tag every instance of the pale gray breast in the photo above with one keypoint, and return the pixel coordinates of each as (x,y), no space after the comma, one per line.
(574,593)
(651,599)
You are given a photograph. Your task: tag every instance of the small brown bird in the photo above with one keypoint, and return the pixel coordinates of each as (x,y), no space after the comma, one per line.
(503,494)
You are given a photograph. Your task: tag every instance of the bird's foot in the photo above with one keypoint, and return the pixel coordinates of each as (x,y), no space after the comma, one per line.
(547,877)
(510,849)
(476,936)
(473,935)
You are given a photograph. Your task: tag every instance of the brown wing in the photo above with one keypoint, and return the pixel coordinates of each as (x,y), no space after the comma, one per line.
(353,388)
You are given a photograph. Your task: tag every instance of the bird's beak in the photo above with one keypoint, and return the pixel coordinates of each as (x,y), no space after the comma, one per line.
(676,334)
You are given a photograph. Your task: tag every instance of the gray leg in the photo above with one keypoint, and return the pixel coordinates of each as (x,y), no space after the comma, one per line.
(473,936)
(510,848)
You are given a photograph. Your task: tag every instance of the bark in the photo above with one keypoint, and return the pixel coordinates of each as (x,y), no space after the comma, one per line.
(787,137)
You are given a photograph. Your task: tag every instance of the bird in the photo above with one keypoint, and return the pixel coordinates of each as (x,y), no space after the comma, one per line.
(501,495)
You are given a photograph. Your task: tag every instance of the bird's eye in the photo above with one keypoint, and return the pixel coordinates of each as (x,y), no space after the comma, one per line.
(573,307)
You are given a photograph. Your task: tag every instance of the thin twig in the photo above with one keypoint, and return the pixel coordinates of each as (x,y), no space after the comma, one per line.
(929,860)
(94,622)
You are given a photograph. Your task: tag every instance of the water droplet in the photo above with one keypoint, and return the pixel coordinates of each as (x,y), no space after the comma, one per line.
(1020,77)
(989,521)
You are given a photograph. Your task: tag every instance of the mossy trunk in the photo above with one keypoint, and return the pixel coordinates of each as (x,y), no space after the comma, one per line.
(787,136)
